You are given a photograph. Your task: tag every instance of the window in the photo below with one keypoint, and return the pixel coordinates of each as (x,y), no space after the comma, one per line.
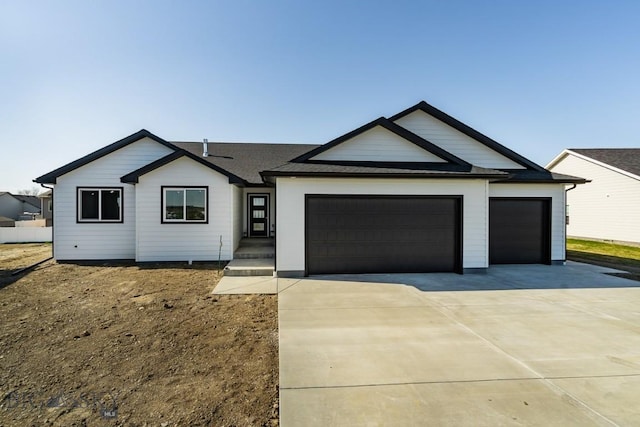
(184,204)
(99,204)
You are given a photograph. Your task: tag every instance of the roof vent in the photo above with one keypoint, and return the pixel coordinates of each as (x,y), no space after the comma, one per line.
(205,147)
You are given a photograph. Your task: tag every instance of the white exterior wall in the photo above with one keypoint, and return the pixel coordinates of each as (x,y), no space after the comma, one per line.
(556,193)
(290,194)
(606,208)
(237,197)
(245,207)
(84,241)
(183,242)
(455,142)
(378,144)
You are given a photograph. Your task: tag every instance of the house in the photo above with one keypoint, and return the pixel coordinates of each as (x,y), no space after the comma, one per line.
(18,206)
(7,222)
(46,207)
(609,207)
(417,192)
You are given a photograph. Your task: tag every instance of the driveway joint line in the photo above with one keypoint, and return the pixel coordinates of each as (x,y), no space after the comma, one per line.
(578,377)
(290,286)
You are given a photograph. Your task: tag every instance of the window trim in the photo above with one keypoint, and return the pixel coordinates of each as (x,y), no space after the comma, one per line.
(79,220)
(163,189)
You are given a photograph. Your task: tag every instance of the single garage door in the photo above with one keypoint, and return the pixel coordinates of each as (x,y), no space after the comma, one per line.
(519,231)
(382,234)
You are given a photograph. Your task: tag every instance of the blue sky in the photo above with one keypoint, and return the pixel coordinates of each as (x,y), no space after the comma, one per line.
(536,76)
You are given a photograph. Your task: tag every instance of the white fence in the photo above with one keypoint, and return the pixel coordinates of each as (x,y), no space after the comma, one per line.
(34,223)
(25,234)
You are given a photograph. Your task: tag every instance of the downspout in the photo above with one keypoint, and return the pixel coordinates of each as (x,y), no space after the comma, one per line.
(52,222)
(565,220)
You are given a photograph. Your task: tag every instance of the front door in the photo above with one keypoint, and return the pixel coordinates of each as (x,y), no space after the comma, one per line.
(258,215)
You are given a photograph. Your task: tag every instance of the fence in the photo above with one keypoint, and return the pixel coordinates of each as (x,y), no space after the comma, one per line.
(25,234)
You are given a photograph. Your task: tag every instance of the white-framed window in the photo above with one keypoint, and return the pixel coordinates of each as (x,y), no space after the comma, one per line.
(99,204)
(185,204)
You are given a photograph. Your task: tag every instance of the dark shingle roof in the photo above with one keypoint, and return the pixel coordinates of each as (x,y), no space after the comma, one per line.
(247,160)
(332,169)
(627,159)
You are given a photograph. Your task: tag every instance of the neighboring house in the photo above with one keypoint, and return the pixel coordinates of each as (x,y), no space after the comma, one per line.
(46,207)
(609,207)
(417,192)
(17,206)
(7,222)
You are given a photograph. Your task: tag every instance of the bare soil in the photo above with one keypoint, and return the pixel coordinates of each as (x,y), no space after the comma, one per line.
(132,345)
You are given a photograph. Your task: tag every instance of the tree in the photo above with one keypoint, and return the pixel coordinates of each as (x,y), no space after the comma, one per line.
(33,191)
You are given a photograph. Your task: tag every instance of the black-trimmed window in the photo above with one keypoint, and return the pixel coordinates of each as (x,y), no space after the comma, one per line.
(99,204)
(184,204)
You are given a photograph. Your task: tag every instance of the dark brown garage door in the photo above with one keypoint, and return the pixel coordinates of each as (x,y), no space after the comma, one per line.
(519,231)
(382,234)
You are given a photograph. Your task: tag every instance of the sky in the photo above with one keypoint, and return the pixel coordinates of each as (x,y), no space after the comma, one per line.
(537,77)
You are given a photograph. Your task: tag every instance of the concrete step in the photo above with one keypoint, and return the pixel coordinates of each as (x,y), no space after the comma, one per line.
(250,267)
(253,255)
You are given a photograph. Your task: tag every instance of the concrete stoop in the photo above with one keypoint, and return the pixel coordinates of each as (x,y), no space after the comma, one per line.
(254,257)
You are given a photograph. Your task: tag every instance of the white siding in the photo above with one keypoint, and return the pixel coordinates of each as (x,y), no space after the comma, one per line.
(455,142)
(290,194)
(556,193)
(378,144)
(73,241)
(238,229)
(183,242)
(606,208)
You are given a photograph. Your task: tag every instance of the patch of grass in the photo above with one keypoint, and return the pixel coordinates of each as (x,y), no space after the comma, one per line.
(603,248)
(620,257)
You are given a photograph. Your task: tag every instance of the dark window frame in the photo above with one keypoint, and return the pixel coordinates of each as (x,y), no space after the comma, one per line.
(163,189)
(79,219)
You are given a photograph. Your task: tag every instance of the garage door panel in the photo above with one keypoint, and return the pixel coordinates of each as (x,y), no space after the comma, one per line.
(380,234)
(519,231)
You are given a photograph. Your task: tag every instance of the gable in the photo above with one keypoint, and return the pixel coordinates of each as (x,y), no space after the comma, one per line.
(184,171)
(143,134)
(570,161)
(111,166)
(377,145)
(454,141)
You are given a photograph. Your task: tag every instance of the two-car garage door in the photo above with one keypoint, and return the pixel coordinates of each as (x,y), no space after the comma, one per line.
(401,234)
(382,234)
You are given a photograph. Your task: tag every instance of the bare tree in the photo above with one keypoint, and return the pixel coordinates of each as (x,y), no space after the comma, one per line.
(33,191)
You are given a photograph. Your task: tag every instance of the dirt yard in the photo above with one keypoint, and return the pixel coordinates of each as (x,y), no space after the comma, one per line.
(132,345)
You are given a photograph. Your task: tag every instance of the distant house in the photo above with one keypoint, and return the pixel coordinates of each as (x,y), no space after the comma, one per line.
(19,207)
(7,222)
(417,192)
(46,207)
(609,207)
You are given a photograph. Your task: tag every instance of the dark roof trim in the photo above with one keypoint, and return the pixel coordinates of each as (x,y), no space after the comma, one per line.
(470,132)
(392,127)
(427,166)
(269,174)
(50,178)
(133,177)
(518,176)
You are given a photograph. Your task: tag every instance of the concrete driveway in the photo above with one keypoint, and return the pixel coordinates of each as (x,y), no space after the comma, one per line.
(537,345)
